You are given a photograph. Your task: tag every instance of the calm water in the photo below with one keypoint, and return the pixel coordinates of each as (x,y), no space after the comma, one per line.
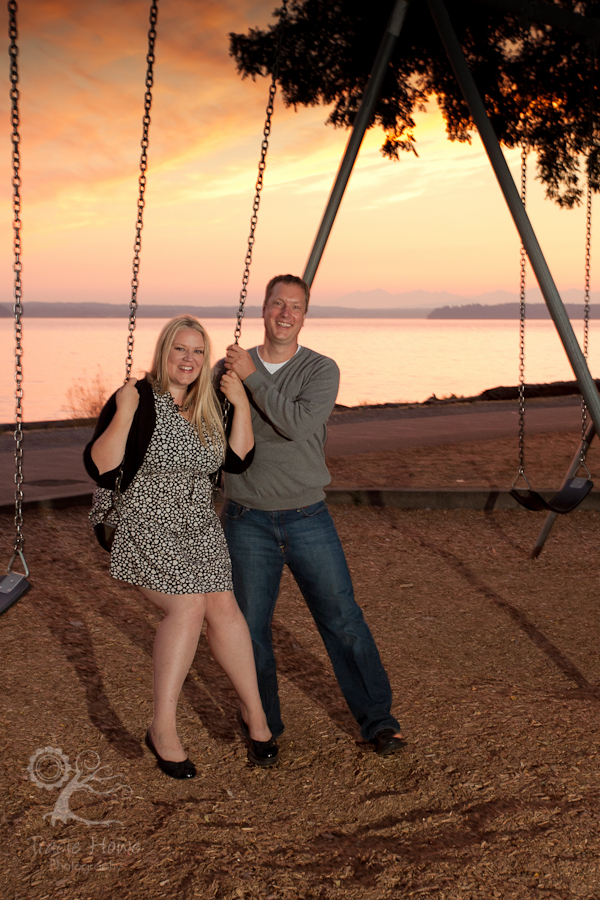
(381,360)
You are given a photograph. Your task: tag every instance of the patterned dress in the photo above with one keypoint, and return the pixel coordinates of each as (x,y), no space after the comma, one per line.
(168,536)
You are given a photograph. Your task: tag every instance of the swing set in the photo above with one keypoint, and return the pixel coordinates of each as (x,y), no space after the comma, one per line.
(574,488)
(13,585)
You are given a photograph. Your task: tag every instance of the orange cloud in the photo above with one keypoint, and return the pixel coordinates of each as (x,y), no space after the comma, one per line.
(82,68)
(436,222)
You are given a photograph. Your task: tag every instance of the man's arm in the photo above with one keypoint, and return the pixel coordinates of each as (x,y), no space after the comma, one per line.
(298,418)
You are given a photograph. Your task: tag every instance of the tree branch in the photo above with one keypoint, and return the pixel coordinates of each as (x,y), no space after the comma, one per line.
(549,14)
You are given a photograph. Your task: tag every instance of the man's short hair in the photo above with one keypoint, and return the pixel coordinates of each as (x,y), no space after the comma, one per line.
(288,279)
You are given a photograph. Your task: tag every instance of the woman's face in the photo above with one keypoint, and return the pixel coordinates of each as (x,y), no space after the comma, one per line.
(185,358)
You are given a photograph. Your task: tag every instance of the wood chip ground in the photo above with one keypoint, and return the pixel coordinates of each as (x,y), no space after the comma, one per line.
(495,666)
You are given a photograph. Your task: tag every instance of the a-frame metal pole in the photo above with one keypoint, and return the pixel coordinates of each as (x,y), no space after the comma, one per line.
(361,122)
(521,220)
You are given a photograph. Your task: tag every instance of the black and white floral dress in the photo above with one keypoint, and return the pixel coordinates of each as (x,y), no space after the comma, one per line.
(168,537)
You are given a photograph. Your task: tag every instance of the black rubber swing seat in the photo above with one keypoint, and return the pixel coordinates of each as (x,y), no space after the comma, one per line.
(12,586)
(566,500)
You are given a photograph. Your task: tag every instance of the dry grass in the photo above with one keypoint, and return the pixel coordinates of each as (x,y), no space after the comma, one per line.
(86,397)
(491,463)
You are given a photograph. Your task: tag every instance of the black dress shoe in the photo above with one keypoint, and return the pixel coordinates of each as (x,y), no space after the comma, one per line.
(183,769)
(260,753)
(387,741)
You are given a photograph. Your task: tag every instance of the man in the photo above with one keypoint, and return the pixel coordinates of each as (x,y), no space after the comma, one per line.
(276,515)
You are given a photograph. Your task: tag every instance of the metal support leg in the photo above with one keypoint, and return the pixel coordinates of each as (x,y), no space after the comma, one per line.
(573,468)
(361,123)
(521,220)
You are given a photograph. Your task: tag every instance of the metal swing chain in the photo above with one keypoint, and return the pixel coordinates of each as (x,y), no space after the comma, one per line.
(137,246)
(521,472)
(587,265)
(586,310)
(264,147)
(17,288)
(261,169)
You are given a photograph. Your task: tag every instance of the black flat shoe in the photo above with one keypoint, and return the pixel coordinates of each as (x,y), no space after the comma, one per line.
(387,741)
(260,753)
(183,769)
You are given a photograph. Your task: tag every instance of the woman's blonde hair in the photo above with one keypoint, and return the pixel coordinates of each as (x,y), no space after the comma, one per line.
(201,397)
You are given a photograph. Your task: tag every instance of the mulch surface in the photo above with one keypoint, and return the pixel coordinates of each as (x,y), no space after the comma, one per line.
(494,662)
(489,463)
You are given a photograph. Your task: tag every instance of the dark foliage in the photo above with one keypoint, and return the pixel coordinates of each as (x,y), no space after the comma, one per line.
(540,85)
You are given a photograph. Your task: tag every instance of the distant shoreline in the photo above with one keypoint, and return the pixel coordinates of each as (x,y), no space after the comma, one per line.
(475,311)
(508,311)
(37,310)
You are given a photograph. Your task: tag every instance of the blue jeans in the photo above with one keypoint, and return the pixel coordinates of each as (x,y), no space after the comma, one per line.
(260,544)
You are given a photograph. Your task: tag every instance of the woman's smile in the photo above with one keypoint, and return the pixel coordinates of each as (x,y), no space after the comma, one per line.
(186,358)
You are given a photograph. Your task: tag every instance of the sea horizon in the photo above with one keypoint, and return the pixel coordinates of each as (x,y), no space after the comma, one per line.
(376,303)
(93,310)
(380,360)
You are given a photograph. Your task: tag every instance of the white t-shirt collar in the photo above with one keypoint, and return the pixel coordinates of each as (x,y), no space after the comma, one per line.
(274,367)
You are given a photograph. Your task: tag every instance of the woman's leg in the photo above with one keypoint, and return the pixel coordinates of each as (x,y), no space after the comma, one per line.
(175,645)
(229,641)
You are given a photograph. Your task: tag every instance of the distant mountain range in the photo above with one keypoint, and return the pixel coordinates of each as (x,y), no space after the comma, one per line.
(375,304)
(379,299)
(422,300)
(36,310)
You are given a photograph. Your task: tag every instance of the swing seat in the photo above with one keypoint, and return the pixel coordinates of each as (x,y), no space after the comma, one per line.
(567,499)
(12,586)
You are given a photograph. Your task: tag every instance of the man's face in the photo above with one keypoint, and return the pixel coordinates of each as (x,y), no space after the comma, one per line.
(284,313)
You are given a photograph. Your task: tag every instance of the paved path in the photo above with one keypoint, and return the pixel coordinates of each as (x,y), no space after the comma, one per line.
(377,430)
(53,466)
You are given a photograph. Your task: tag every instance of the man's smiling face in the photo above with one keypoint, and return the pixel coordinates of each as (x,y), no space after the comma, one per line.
(284,313)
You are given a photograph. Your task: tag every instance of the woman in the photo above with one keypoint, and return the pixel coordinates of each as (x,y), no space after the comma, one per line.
(162,437)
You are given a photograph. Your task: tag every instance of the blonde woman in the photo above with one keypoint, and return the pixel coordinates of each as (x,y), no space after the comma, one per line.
(163,436)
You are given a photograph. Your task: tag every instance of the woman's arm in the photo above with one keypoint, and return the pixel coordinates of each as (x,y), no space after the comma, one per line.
(108,450)
(241,439)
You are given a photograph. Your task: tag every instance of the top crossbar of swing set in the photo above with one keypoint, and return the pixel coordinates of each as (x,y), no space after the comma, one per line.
(574,489)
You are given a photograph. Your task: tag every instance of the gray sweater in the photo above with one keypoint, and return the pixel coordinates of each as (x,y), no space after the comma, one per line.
(290,410)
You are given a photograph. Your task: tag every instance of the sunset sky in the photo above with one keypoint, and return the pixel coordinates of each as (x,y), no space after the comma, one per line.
(434,223)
